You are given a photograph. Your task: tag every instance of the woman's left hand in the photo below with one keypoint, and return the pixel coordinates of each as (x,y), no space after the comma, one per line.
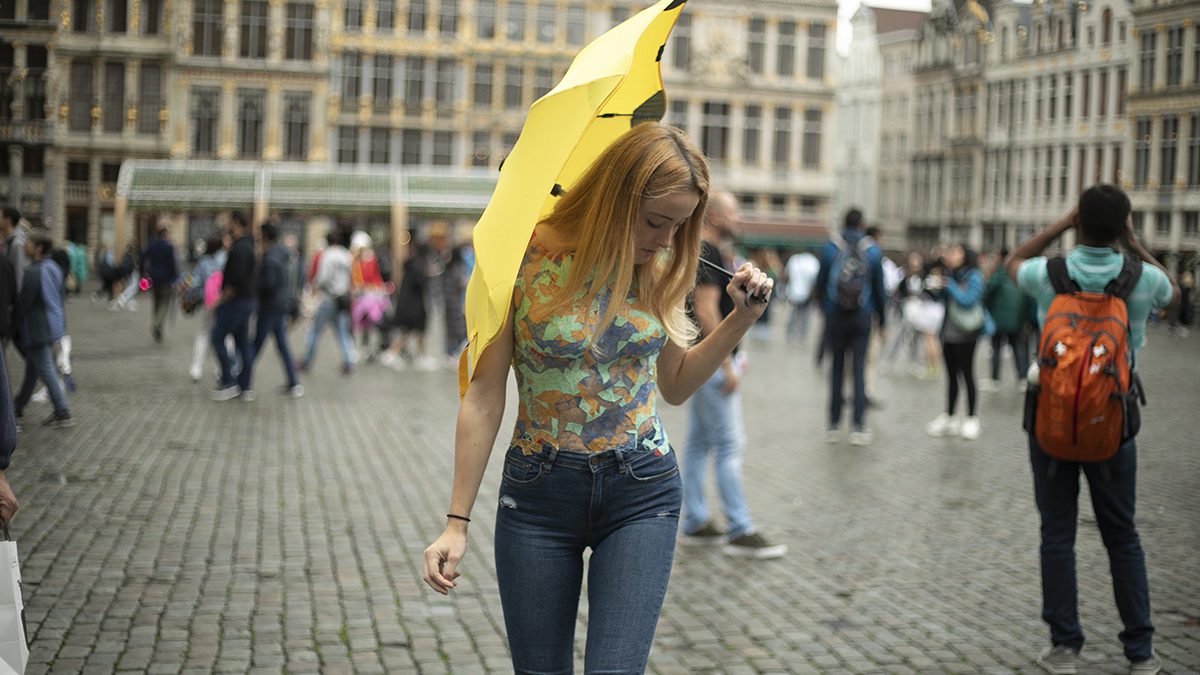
(750,289)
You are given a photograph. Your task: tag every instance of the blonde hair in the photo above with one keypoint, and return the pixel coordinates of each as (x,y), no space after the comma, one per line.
(601,214)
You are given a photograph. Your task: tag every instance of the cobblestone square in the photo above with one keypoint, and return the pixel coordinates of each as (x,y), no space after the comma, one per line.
(166,533)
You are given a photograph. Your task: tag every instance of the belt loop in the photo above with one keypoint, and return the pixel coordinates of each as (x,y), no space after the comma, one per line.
(551,456)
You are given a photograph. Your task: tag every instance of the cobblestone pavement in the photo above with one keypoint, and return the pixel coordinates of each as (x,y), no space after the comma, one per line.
(167,533)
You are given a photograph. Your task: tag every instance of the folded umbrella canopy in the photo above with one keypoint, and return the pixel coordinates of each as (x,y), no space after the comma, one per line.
(613,84)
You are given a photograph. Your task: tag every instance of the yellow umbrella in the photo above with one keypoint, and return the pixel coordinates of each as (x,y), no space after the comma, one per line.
(613,84)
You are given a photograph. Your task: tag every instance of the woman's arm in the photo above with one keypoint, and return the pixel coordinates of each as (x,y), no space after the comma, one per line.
(478,423)
(682,370)
(968,293)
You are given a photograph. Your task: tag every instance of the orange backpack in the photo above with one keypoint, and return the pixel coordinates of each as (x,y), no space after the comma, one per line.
(1087,388)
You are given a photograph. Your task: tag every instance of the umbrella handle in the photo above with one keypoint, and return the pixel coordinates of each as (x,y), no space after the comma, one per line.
(754,299)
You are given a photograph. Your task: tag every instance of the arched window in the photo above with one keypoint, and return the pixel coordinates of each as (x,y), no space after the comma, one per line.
(1106,27)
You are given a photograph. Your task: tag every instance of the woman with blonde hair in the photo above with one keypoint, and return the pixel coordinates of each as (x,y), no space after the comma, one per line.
(597,322)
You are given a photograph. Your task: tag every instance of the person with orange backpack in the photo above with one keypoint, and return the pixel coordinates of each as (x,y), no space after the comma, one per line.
(1082,410)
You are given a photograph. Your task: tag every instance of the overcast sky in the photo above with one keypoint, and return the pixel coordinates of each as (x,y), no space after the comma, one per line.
(846,9)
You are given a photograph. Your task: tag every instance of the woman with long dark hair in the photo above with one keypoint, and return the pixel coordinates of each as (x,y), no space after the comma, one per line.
(963,297)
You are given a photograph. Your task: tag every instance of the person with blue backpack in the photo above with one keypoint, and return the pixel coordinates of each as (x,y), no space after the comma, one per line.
(851,290)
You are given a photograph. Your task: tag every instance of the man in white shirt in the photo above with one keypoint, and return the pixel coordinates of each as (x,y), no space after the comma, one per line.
(332,284)
(802,270)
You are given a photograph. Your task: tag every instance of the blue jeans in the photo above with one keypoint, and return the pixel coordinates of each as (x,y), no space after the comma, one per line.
(328,311)
(847,332)
(797,327)
(622,503)
(232,317)
(1112,485)
(715,430)
(273,322)
(39,365)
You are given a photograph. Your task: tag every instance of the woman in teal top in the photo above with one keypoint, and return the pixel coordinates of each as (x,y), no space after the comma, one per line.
(597,329)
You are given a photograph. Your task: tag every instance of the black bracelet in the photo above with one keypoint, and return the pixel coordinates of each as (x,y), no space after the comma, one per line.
(462,518)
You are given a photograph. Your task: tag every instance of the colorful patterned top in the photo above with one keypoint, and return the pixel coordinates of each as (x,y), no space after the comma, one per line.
(572,397)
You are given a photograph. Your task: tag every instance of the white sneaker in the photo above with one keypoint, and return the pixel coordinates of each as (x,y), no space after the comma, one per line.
(833,436)
(41,396)
(391,360)
(970,429)
(942,425)
(225,393)
(860,438)
(195,373)
(248,395)
(425,364)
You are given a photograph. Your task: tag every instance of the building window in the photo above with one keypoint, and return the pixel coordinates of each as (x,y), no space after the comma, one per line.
(679,115)
(251,105)
(254,29)
(347,145)
(681,47)
(299,39)
(152,17)
(783,137)
(1037,99)
(513,85)
(1175,56)
(1162,224)
(485,19)
(1168,151)
(417,17)
(546,19)
(295,125)
(1085,95)
(114,97)
(1102,95)
(36,60)
(353,16)
(514,26)
(1148,46)
(118,15)
(481,141)
(1141,152)
(812,138)
(38,11)
(206,27)
(83,18)
(381,89)
(576,25)
(1049,177)
(752,135)
(1118,174)
(483,85)
(385,16)
(206,110)
(414,84)
(150,98)
(381,145)
(757,48)
(715,130)
(1121,90)
(443,148)
(1106,27)
(1068,98)
(448,17)
(543,81)
(1193,179)
(81,96)
(618,14)
(1191,224)
(1064,168)
(351,81)
(816,51)
(1196,57)
(446,90)
(786,54)
(1052,98)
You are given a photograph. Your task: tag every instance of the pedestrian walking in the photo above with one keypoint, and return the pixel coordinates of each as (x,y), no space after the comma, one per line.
(62,347)
(1101,222)
(40,315)
(331,284)
(77,254)
(161,268)
(715,423)
(15,233)
(1009,309)
(274,298)
(802,269)
(1181,317)
(851,286)
(454,295)
(589,465)
(211,261)
(962,294)
(409,316)
(231,317)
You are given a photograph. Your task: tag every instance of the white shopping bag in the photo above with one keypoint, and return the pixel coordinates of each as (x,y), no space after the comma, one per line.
(14,650)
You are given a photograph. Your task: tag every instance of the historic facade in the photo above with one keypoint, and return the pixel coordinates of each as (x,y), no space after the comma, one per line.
(1164,121)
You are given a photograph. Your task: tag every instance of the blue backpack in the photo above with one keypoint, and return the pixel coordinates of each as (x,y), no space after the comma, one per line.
(848,279)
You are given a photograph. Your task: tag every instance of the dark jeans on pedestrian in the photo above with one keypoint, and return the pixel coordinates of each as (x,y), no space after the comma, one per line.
(847,332)
(163,295)
(232,317)
(1020,348)
(1112,486)
(960,363)
(623,504)
(39,365)
(273,322)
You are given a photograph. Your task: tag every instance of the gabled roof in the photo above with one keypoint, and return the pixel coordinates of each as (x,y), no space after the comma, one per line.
(893,20)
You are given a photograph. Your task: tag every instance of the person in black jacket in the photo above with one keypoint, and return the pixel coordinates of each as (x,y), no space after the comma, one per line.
(8,443)
(8,300)
(159,264)
(233,311)
(275,296)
